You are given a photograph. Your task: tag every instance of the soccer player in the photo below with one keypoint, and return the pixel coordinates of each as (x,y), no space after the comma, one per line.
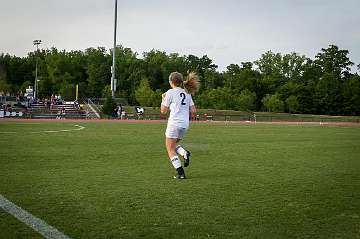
(179,101)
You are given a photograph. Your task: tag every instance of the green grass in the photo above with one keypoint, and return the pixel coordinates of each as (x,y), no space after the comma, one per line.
(113,180)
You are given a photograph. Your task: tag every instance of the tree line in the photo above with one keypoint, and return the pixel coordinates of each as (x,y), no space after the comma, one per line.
(276,82)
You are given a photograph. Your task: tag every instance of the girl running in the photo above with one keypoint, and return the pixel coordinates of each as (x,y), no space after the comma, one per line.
(179,102)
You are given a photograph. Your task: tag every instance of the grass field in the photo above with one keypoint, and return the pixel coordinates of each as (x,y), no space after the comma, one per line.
(114,180)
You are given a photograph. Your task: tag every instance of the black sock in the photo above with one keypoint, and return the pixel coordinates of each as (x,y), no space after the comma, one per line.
(180,171)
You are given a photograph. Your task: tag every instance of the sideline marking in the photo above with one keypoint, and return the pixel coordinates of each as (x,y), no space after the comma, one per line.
(35,223)
(79,127)
(63,130)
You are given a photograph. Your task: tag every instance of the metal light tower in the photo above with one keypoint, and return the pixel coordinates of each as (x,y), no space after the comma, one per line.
(36,43)
(113,80)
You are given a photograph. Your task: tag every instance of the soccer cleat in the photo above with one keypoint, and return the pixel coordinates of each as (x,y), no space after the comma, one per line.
(182,176)
(187,158)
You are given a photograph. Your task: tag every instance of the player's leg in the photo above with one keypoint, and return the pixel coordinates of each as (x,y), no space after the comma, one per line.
(174,158)
(172,134)
(185,153)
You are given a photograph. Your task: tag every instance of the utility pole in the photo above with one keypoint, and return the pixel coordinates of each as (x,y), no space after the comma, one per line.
(113,79)
(36,43)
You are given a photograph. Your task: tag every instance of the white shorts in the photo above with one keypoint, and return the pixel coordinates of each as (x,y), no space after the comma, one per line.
(175,132)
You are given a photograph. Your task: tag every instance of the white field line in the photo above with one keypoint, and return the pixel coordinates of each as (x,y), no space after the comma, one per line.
(35,223)
(62,130)
(49,131)
(27,123)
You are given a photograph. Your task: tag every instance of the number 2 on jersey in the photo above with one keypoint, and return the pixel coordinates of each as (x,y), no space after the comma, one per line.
(183,96)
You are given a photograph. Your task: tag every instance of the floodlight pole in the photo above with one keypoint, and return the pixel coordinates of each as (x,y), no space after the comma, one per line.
(113,80)
(36,43)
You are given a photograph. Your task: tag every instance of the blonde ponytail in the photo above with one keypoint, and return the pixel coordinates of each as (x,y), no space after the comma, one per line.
(191,84)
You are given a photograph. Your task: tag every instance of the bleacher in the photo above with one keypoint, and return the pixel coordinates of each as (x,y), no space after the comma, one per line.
(12,110)
(66,110)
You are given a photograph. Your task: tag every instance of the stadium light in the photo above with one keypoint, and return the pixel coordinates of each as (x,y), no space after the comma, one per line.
(113,80)
(36,43)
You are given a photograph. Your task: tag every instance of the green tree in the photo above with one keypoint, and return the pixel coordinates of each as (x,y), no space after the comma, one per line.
(305,89)
(129,71)
(14,71)
(4,87)
(219,98)
(145,95)
(108,106)
(273,103)
(214,79)
(106,91)
(156,72)
(292,104)
(270,67)
(322,85)
(334,66)
(351,94)
(98,70)
(246,100)
(334,61)
(201,66)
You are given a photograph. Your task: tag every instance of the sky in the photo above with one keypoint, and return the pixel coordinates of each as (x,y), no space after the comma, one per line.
(227,31)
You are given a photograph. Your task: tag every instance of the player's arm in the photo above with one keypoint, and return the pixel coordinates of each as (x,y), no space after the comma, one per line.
(164,108)
(192,108)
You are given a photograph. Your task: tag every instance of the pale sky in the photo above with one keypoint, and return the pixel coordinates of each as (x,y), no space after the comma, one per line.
(228,31)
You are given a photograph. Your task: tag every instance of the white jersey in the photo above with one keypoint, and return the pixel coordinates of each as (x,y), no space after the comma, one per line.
(179,103)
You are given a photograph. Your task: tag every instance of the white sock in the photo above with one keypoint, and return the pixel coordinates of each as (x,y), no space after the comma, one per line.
(180,150)
(175,161)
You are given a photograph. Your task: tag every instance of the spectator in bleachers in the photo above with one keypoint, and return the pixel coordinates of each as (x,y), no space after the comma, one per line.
(76,105)
(119,110)
(59,100)
(58,116)
(195,117)
(123,115)
(63,112)
(52,98)
(114,113)
(8,108)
